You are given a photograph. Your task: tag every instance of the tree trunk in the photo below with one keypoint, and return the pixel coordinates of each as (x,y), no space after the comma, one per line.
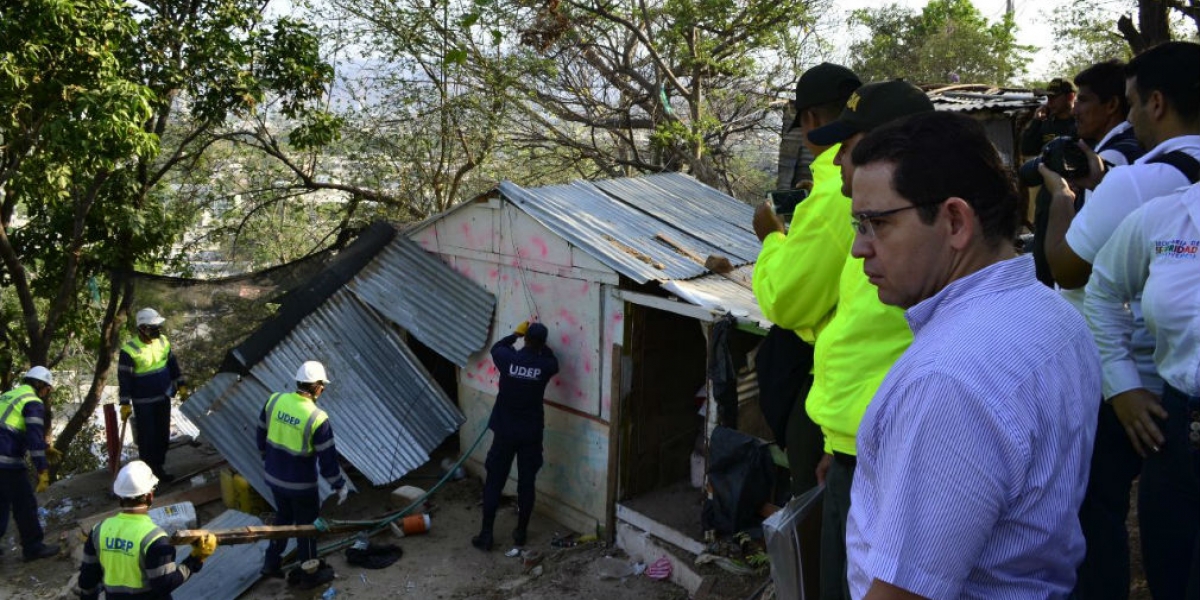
(1152,27)
(119,301)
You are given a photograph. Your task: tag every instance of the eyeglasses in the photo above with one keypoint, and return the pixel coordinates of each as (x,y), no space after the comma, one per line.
(864,222)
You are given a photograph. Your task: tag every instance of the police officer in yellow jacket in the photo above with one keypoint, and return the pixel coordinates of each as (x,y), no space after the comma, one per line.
(294,436)
(147,378)
(127,555)
(22,430)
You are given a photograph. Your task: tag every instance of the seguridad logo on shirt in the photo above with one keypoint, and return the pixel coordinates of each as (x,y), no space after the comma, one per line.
(1176,248)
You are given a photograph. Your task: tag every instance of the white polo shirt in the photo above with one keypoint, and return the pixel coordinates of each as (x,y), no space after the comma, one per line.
(1155,253)
(1123,190)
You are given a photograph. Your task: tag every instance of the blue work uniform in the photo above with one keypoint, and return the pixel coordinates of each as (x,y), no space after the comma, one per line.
(22,430)
(517,422)
(294,436)
(147,375)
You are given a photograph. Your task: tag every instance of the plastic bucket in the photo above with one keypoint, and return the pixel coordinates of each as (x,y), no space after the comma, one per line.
(414,524)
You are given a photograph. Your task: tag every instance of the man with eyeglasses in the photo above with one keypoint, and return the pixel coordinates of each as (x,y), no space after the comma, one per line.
(861,339)
(973,456)
(148,377)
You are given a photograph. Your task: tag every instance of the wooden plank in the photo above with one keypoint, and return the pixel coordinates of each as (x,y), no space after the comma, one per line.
(660,531)
(614,446)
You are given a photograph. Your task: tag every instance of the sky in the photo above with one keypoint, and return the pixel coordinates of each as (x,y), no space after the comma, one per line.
(1032,17)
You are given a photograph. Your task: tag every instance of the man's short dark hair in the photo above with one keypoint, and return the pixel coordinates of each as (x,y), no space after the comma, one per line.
(1173,69)
(1107,81)
(939,155)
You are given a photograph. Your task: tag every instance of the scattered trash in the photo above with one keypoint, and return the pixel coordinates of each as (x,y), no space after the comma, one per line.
(639,567)
(513,552)
(536,571)
(458,474)
(583,539)
(564,541)
(363,577)
(329,594)
(530,559)
(659,569)
(614,568)
(372,556)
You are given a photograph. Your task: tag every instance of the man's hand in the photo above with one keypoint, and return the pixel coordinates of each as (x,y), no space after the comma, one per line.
(766,221)
(204,546)
(1137,409)
(823,468)
(1042,113)
(1055,183)
(1096,169)
(126,410)
(522,328)
(53,456)
(343,493)
(43,481)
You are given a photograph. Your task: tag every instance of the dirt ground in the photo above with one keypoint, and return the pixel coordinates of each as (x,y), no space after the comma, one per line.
(440,564)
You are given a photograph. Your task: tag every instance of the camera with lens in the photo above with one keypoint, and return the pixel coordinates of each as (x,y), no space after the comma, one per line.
(785,201)
(1061,155)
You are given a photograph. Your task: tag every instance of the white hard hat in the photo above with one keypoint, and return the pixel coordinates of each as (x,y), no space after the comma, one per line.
(41,374)
(149,316)
(135,479)
(311,372)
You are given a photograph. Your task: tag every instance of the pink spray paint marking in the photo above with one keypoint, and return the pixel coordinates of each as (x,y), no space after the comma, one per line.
(569,317)
(543,250)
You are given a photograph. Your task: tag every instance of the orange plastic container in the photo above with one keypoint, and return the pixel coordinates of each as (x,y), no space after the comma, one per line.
(414,524)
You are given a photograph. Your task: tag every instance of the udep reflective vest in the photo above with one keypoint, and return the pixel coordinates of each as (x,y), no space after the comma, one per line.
(121,544)
(148,358)
(12,422)
(291,420)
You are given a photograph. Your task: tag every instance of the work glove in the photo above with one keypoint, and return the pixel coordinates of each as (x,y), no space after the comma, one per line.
(126,410)
(343,492)
(43,481)
(522,328)
(204,546)
(183,390)
(53,456)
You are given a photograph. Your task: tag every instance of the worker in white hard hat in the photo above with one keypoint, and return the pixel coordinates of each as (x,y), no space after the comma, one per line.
(127,555)
(294,437)
(22,431)
(148,377)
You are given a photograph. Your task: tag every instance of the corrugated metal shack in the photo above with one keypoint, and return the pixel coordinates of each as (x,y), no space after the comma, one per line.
(358,317)
(614,269)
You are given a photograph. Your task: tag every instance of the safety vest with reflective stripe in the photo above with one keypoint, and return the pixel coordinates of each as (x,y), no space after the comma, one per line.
(291,420)
(121,544)
(12,407)
(148,358)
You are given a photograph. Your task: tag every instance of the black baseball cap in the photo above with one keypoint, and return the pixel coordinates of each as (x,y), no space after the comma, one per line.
(537,332)
(869,107)
(1058,86)
(822,84)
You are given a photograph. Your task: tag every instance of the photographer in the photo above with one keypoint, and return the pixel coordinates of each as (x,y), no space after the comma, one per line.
(1100,109)
(1051,119)
(1163,90)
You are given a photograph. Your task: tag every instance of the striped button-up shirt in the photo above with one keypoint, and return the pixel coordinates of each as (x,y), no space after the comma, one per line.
(973,456)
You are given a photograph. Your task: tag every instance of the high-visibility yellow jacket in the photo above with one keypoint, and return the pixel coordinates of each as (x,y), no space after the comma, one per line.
(852,355)
(796,275)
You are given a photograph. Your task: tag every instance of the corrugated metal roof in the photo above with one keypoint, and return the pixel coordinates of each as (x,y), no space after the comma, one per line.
(231,570)
(618,222)
(411,287)
(719,293)
(963,101)
(387,413)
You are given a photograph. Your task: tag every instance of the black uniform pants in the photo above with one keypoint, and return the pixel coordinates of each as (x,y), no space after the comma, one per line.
(528,452)
(152,432)
(293,508)
(16,495)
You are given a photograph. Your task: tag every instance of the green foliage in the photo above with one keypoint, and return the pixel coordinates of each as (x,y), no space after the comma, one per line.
(947,38)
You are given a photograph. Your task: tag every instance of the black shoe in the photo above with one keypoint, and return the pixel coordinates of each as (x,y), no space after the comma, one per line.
(43,551)
(519,536)
(272,573)
(483,541)
(322,576)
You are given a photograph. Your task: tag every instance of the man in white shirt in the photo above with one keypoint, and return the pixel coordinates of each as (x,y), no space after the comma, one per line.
(1161,87)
